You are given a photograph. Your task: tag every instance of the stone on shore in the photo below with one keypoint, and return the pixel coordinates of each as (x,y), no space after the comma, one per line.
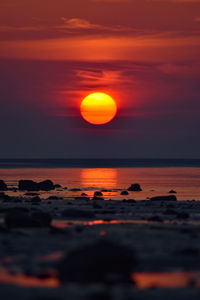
(100,262)
(46,185)
(124,193)
(98,194)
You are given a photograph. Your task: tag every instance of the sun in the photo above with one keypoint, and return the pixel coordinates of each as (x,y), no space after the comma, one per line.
(98,108)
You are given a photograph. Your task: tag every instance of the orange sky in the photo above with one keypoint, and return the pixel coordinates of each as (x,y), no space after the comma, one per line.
(144,53)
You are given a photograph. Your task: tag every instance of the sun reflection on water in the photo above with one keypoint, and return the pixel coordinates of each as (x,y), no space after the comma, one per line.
(101,178)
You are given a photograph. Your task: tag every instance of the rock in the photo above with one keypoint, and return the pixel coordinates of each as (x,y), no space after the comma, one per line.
(98,194)
(46,185)
(78,213)
(135,188)
(28,185)
(83,194)
(124,193)
(57,186)
(3,186)
(100,262)
(26,220)
(164,198)
(172,192)
(75,190)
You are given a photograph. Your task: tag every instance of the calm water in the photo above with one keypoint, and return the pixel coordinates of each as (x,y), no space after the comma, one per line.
(153,180)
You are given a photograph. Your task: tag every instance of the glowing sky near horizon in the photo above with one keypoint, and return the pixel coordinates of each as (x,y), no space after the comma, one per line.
(143,53)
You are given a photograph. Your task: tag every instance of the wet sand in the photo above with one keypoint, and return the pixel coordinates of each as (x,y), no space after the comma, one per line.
(162,235)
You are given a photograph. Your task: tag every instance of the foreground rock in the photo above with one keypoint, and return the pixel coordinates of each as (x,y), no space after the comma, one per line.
(30,185)
(3,186)
(164,198)
(135,188)
(102,261)
(22,219)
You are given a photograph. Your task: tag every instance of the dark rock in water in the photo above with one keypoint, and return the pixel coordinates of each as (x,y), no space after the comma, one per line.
(75,190)
(57,186)
(182,215)
(98,198)
(98,194)
(164,198)
(124,193)
(155,219)
(135,188)
(83,194)
(172,192)
(102,262)
(78,213)
(46,185)
(28,185)
(3,186)
(21,219)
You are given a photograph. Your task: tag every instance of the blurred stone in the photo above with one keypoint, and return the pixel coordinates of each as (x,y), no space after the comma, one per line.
(102,261)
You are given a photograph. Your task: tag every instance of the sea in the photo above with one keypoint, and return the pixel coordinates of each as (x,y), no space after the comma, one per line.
(155,176)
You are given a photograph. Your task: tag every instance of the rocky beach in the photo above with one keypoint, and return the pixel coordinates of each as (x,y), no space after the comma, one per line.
(86,247)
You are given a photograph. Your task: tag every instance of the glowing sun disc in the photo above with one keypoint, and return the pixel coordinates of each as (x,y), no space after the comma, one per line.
(98,108)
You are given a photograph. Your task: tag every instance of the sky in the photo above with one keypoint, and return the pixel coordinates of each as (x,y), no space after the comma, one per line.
(143,53)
